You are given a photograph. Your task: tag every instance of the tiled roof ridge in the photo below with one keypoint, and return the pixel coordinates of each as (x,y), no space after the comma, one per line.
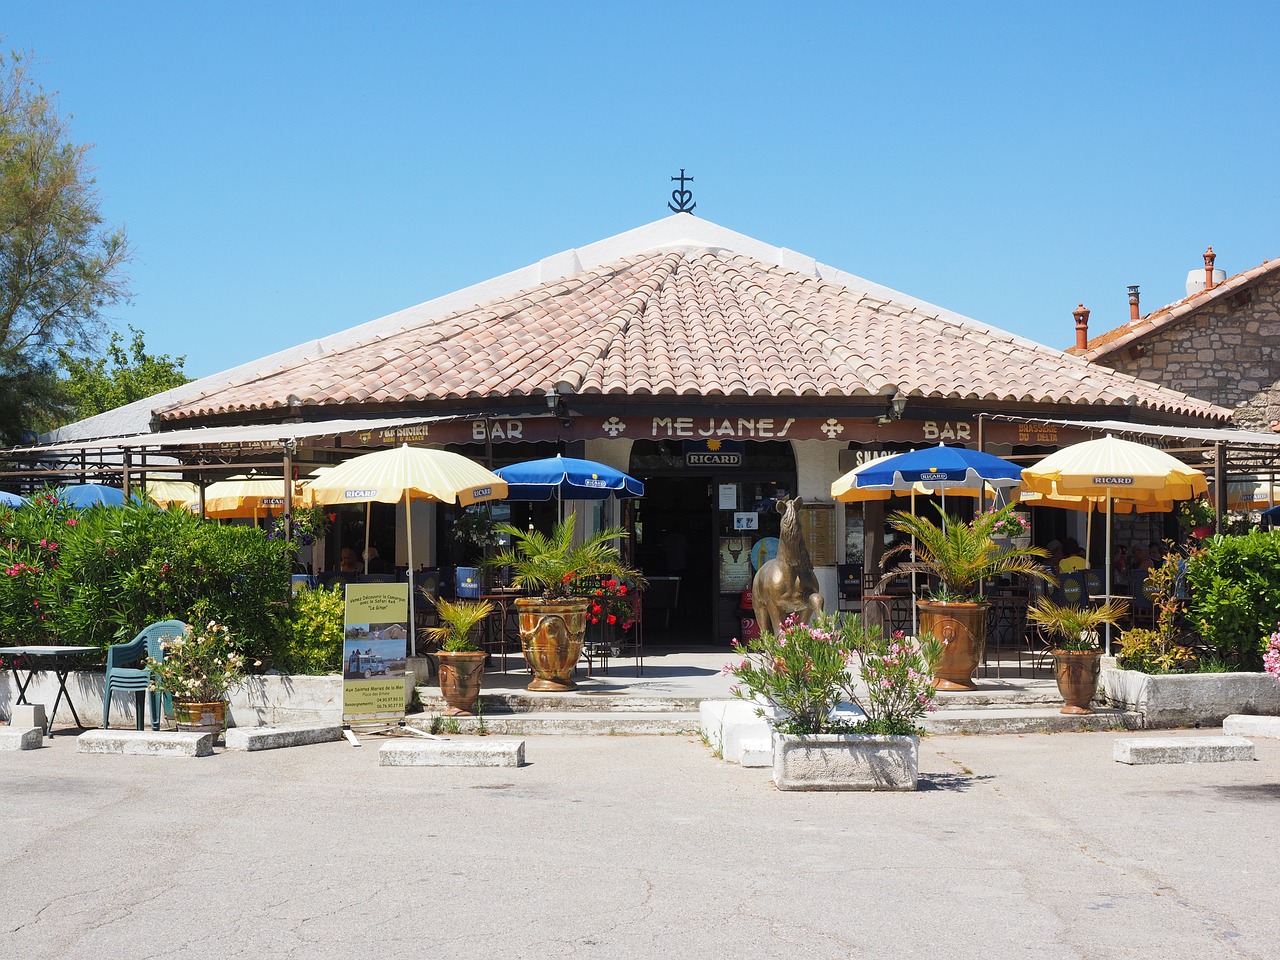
(449,326)
(1133,330)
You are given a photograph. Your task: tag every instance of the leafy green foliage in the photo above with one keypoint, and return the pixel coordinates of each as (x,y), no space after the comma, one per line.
(202,665)
(96,384)
(60,267)
(1235,594)
(961,555)
(457,622)
(97,576)
(1076,627)
(554,565)
(804,670)
(315,632)
(1147,651)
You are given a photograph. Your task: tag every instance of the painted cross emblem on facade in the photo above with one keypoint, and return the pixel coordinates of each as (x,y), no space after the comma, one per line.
(613,426)
(832,428)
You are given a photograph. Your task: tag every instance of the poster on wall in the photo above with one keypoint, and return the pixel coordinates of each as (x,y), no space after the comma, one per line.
(374,650)
(735,564)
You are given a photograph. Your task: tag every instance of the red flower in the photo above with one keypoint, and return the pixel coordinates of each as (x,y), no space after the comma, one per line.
(623,590)
(595,608)
(599,593)
(611,619)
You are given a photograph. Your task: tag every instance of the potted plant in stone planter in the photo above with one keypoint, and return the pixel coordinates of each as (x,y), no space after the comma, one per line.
(1077,656)
(806,671)
(959,556)
(555,567)
(460,660)
(199,670)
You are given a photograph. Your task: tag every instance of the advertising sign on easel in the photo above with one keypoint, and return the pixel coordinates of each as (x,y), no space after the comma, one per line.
(374,650)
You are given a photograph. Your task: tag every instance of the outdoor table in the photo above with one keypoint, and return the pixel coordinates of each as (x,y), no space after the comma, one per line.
(60,660)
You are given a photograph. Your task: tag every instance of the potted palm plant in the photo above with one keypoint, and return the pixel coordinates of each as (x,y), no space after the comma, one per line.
(555,568)
(460,659)
(959,557)
(1077,656)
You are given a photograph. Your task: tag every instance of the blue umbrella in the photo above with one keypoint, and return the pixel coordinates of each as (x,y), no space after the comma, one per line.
(85,495)
(568,479)
(939,467)
(1272,514)
(12,499)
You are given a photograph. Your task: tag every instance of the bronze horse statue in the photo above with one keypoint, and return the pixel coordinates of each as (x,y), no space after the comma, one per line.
(786,584)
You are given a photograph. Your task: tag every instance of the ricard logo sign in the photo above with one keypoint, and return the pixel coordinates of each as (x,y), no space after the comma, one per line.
(359,494)
(1113,481)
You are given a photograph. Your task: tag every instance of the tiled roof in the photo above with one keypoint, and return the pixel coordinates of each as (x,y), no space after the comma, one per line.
(688,320)
(1135,330)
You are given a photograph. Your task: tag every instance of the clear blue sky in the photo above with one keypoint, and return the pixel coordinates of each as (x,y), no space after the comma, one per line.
(286,170)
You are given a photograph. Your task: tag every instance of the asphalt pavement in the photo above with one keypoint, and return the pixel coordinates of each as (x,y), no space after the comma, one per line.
(1036,846)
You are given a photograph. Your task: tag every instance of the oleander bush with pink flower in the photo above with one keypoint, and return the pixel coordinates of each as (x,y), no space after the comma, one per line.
(805,670)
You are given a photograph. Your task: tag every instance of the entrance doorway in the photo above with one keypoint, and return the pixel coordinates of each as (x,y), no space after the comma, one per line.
(674,548)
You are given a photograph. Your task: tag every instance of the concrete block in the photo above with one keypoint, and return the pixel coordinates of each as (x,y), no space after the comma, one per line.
(21,738)
(146,743)
(1185,699)
(728,724)
(28,715)
(757,753)
(1137,750)
(845,762)
(1239,725)
(480,752)
(273,738)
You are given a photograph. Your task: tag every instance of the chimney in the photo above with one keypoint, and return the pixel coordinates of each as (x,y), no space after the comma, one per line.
(1082,326)
(1206,279)
(1209,257)
(1134,312)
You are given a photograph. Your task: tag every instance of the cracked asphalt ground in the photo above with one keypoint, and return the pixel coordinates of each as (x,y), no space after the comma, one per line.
(1016,846)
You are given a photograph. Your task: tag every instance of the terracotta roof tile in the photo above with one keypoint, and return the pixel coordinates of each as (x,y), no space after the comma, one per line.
(691,323)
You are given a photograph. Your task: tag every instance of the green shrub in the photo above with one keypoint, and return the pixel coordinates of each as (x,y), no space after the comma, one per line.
(1235,595)
(1147,652)
(98,576)
(316,632)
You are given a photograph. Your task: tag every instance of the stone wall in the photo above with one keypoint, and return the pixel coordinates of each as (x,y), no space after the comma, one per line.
(1223,353)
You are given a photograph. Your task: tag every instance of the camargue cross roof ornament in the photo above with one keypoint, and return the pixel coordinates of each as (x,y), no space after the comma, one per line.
(683,197)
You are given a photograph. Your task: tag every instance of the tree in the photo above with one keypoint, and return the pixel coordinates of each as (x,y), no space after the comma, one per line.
(95,385)
(60,265)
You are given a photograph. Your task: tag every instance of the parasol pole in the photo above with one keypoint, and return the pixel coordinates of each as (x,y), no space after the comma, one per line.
(368,515)
(1108,569)
(915,625)
(408,528)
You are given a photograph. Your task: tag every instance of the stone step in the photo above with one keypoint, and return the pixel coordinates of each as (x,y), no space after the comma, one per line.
(148,743)
(1027,720)
(573,723)
(585,701)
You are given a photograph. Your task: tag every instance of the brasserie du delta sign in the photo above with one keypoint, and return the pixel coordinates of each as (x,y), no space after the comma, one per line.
(700,427)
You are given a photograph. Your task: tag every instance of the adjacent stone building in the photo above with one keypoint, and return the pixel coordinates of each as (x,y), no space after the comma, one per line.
(1217,343)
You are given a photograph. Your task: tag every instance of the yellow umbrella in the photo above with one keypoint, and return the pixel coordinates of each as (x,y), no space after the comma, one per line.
(168,493)
(242,497)
(403,474)
(1110,469)
(1252,494)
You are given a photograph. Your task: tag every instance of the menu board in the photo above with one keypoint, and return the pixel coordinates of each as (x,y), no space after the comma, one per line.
(818,527)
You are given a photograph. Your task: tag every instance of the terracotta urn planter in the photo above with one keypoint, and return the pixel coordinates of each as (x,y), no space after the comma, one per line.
(460,677)
(964,627)
(551,638)
(1077,674)
(200,717)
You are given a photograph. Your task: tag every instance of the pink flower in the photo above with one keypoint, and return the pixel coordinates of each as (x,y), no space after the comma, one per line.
(72,522)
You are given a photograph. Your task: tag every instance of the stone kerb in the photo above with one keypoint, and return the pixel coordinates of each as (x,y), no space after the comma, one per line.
(1242,726)
(21,738)
(732,728)
(1186,699)
(146,743)
(447,752)
(1143,750)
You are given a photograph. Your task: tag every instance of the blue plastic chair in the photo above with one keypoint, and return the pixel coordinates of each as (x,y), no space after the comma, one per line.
(125,672)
